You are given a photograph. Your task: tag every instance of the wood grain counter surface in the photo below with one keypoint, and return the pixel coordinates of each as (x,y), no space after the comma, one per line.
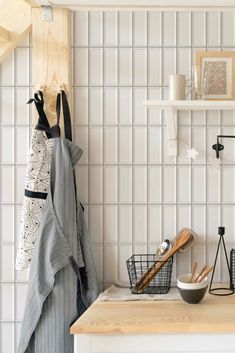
(213,315)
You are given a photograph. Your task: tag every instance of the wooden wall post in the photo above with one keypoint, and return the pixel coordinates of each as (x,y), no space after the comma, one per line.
(52,56)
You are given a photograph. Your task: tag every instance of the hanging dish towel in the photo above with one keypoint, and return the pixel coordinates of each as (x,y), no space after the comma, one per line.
(57,292)
(37,177)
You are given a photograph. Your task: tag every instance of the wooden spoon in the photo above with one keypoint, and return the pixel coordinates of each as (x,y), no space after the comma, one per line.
(200,273)
(153,270)
(204,274)
(194,267)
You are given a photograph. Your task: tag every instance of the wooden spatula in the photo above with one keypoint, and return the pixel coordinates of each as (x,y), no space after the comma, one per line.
(194,267)
(200,273)
(205,273)
(151,273)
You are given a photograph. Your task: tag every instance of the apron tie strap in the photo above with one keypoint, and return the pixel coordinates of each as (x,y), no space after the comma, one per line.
(62,99)
(75,267)
(43,124)
(42,120)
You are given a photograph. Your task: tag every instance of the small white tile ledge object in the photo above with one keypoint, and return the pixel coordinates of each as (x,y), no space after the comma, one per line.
(171,108)
(192,153)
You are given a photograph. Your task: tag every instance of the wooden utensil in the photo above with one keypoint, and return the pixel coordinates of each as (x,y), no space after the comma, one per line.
(194,267)
(151,273)
(200,273)
(205,273)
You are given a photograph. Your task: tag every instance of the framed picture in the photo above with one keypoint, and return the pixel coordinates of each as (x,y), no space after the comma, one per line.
(215,75)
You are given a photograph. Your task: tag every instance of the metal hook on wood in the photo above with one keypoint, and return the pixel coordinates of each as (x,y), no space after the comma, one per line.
(60,88)
(39,88)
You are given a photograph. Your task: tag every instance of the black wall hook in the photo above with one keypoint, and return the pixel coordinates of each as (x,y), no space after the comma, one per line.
(218,146)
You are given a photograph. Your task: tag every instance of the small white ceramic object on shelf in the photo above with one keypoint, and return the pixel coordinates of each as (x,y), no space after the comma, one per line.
(177,87)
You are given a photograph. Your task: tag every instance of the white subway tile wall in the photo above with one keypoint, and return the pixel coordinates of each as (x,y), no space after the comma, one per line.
(134,194)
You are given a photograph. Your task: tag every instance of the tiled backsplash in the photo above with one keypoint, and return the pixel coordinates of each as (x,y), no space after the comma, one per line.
(134,194)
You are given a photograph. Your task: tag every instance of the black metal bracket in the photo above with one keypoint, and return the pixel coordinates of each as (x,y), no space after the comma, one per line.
(218,146)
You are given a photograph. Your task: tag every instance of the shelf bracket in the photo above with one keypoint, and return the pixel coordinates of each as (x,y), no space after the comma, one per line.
(171,122)
(171,109)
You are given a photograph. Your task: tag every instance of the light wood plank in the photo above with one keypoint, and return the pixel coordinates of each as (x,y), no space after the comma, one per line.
(15,17)
(52,55)
(32,3)
(212,315)
(4,34)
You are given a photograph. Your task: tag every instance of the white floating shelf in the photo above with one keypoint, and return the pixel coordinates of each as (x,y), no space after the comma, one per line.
(172,107)
(190,105)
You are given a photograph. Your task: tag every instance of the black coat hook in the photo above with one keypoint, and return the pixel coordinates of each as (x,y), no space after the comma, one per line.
(218,146)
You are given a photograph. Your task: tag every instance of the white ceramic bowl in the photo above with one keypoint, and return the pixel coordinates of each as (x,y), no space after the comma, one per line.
(183,282)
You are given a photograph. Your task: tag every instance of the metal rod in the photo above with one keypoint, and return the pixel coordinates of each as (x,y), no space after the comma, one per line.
(225,136)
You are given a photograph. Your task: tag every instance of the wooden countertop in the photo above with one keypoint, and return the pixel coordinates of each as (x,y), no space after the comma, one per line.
(213,315)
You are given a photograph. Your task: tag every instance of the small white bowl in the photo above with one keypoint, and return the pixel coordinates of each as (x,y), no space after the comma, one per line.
(183,282)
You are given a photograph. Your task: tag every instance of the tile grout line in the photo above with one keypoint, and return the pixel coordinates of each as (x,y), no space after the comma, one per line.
(220,208)
(147,132)
(142,204)
(220,170)
(103,143)
(121,125)
(117,150)
(99,243)
(124,165)
(162,117)
(88,124)
(14,197)
(203,46)
(176,211)
(205,171)
(191,117)
(132,133)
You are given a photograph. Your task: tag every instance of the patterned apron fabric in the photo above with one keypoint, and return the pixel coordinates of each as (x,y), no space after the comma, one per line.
(38,176)
(36,181)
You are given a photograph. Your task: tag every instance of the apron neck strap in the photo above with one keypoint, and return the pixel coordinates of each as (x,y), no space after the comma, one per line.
(39,103)
(62,100)
(43,123)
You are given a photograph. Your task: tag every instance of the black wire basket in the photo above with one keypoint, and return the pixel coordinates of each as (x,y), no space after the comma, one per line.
(138,264)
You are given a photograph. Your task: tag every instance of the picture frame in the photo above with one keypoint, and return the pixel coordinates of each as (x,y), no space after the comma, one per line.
(215,75)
